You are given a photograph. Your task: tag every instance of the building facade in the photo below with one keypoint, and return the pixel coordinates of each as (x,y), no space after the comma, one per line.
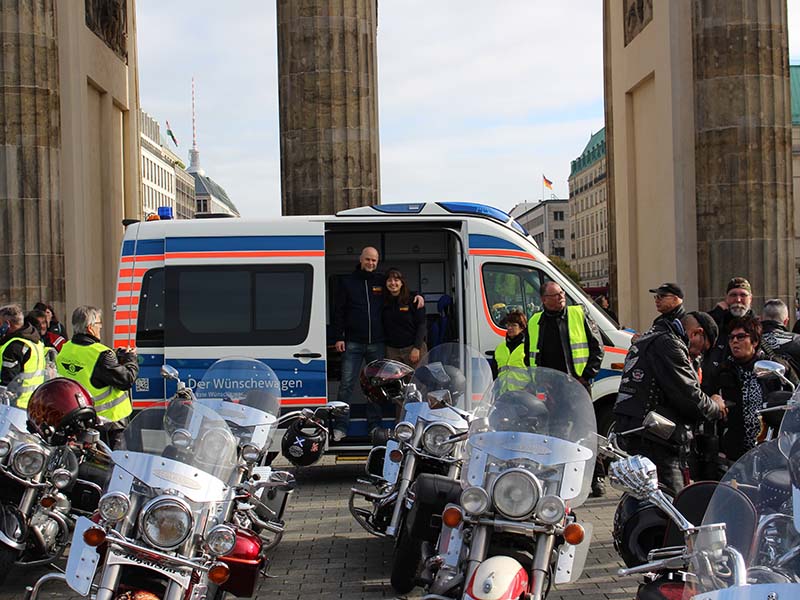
(794,71)
(588,209)
(548,223)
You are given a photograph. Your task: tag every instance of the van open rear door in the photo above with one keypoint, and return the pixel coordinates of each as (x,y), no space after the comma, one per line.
(249,289)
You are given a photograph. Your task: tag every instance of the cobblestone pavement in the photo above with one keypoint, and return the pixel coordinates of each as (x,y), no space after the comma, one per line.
(326,555)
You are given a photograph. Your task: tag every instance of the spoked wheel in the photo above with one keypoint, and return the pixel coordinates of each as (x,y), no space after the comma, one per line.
(406,561)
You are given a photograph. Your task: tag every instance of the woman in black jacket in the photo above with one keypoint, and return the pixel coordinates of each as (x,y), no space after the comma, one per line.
(403,323)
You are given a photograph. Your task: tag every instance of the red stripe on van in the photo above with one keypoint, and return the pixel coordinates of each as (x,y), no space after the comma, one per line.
(124,329)
(132,272)
(246,254)
(126,314)
(142,258)
(495,328)
(614,350)
(122,343)
(498,252)
(303,401)
(129,287)
(127,300)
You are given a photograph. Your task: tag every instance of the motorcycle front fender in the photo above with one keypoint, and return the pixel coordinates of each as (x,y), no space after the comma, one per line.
(498,578)
(83,559)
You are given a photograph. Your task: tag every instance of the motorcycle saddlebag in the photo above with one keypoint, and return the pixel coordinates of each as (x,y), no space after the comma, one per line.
(431,494)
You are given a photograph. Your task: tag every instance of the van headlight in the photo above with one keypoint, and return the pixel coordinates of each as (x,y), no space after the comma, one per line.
(113,506)
(434,439)
(27,460)
(221,540)
(166,522)
(474,500)
(515,494)
(404,431)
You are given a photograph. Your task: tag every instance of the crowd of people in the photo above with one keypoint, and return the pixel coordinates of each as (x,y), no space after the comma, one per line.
(107,375)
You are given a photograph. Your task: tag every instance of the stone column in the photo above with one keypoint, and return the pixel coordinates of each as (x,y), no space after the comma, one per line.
(31,244)
(328,105)
(743,148)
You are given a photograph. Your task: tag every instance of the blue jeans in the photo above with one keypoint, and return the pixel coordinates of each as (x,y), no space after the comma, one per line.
(352,357)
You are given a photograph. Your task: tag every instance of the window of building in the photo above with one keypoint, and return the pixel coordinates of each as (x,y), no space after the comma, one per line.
(558,234)
(559,252)
(558,215)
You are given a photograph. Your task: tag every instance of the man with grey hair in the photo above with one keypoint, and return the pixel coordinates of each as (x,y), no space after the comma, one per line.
(22,353)
(776,337)
(107,375)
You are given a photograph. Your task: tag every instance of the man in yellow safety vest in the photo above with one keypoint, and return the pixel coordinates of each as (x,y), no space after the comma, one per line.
(107,375)
(22,353)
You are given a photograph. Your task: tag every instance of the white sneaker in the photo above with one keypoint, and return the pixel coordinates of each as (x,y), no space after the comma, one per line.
(338,435)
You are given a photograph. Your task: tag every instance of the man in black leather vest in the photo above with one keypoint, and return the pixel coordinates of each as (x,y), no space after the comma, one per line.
(659,375)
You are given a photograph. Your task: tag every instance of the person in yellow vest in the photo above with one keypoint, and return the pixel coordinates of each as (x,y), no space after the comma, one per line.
(512,356)
(22,353)
(565,338)
(107,375)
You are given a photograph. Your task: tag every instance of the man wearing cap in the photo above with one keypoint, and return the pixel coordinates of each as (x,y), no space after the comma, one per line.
(659,375)
(669,303)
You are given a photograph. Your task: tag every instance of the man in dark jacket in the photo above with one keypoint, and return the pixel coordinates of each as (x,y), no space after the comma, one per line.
(669,303)
(738,298)
(21,351)
(659,375)
(776,338)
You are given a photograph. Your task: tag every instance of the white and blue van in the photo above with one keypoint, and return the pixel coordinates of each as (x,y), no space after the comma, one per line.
(193,291)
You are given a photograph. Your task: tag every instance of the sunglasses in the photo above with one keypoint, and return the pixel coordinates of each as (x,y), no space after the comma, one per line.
(739,336)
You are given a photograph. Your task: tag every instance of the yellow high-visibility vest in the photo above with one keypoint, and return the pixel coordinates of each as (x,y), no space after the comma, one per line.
(512,372)
(32,374)
(578,342)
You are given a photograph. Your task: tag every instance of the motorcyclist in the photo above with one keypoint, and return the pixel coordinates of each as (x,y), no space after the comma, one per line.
(22,353)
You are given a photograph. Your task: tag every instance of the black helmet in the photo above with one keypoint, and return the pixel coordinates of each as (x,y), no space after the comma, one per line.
(518,409)
(303,443)
(439,376)
(385,379)
(638,528)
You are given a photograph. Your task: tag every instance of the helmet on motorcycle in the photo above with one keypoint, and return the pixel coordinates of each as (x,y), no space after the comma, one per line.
(59,407)
(516,409)
(385,379)
(303,443)
(638,528)
(439,376)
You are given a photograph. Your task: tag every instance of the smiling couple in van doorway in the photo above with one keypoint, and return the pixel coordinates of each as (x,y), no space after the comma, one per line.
(358,326)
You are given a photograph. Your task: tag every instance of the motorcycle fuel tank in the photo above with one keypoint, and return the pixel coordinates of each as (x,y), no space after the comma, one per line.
(245,562)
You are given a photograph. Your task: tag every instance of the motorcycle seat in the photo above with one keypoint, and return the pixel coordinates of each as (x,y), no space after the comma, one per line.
(775,489)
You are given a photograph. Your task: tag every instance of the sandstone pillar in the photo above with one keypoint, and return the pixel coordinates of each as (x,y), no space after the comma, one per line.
(743,148)
(328,105)
(31,246)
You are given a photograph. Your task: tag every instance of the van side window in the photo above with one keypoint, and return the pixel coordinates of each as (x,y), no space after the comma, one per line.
(150,322)
(238,305)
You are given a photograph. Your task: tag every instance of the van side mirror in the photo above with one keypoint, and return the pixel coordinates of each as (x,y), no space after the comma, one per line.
(170,372)
(658,425)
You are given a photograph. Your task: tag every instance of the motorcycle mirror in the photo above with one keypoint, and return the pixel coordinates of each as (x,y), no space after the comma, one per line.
(335,408)
(765,368)
(169,372)
(481,424)
(658,425)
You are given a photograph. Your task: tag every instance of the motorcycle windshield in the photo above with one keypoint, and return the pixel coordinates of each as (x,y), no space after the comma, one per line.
(754,502)
(789,431)
(546,428)
(184,445)
(452,375)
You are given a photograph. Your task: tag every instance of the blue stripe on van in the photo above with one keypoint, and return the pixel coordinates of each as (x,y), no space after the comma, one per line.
(241,243)
(297,380)
(142,247)
(477,240)
(603,373)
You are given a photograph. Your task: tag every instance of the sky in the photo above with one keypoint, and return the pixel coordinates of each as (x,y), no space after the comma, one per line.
(476,100)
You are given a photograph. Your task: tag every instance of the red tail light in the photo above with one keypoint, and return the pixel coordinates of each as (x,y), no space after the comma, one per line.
(671,590)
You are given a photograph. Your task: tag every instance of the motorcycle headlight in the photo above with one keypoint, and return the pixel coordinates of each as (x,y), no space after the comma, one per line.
(166,522)
(434,439)
(250,452)
(5,447)
(221,540)
(114,506)
(181,438)
(215,445)
(404,431)
(515,494)
(550,509)
(61,478)
(27,460)
(475,500)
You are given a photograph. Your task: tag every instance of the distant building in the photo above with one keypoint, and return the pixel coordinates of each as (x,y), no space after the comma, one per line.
(794,74)
(588,209)
(548,223)
(164,180)
(210,197)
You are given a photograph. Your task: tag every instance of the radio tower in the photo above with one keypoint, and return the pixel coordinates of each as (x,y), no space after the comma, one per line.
(194,153)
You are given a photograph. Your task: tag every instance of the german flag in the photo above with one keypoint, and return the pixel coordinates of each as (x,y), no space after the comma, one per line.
(547,183)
